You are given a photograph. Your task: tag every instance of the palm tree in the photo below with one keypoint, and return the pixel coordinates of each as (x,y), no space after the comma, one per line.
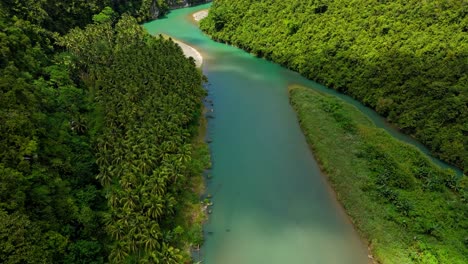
(104,177)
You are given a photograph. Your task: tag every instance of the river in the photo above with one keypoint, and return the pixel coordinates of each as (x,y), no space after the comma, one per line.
(272,205)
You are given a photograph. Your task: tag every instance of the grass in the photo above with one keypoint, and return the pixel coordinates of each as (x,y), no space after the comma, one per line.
(408,209)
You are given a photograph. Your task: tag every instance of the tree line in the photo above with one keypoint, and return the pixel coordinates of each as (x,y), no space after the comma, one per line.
(408,60)
(97,118)
(61,16)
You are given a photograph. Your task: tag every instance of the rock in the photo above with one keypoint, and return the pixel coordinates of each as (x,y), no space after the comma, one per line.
(154,10)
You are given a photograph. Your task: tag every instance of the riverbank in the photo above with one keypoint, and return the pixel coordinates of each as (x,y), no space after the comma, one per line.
(197,16)
(189,51)
(408,209)
(194,211)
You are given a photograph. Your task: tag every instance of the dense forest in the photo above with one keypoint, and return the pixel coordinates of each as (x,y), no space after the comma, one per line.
(97,150)
(406,59)
(408,209)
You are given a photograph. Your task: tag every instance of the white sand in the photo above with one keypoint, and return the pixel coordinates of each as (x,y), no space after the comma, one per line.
(190,52)
(200,15)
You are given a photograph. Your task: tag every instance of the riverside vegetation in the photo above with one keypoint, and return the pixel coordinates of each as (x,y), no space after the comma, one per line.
(406,59)
(99,155)
(408,209)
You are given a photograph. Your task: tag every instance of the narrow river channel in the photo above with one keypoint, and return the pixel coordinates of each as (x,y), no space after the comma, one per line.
(272,205)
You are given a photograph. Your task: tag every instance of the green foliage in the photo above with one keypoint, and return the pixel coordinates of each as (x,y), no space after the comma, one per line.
(408,209)
(106,15)
(59,118)
(406,59)
(21,240)
(143,147)
(61,16)
(45,158)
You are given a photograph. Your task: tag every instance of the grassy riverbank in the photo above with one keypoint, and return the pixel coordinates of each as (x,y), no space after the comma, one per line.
(193,211)
(408,209)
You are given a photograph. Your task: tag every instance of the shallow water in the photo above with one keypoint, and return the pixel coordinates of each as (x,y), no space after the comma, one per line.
(271,203)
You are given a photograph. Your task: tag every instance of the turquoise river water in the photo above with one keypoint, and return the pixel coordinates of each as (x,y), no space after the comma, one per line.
(272,205)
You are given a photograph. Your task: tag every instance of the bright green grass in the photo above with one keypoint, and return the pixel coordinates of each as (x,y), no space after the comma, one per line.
(409,210)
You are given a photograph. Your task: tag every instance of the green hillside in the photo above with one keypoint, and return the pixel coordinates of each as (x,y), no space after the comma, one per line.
(406,59)
(98,161)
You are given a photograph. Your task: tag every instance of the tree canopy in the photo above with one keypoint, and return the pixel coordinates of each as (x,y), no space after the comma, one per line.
(95,136)
(146,104)
(406,59)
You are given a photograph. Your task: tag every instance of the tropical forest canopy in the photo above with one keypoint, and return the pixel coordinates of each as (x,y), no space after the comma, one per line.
(97,119)
(407,59)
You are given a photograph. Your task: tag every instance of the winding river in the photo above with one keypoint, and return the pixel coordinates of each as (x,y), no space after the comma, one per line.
(272,205)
